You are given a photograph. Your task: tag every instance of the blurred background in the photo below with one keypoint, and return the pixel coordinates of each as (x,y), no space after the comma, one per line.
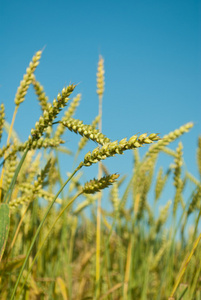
(152,60)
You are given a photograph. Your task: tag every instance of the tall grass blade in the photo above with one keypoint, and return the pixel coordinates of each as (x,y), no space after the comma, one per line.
(4,227)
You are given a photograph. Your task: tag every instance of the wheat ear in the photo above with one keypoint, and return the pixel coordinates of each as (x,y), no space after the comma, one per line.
(27,79)
(51,113)
(69,113)
(167,139)
(95,185)
(100,91)
(112,148)
(178,183)
(85,130)
(42,98)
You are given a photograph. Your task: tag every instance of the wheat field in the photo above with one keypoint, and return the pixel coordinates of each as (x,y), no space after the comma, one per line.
(52,249)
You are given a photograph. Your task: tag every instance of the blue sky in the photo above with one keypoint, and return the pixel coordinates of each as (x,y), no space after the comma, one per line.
(152,65)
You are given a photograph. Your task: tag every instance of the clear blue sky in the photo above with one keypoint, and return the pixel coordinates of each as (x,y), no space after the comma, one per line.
(152,53)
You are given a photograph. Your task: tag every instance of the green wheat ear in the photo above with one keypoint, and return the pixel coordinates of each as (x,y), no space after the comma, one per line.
(168,138)
(83,140)
(31,191)
(9,167)
(196,201)
(112,148)
(27,79)
(50,114)
(100,77)
(69,113)
(96,185)
(160,183)
(178,182)
(85,130)
(42,98)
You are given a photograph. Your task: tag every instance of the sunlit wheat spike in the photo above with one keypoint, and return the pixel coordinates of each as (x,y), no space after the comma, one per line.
(36,144)
(163,216)
(51,113)
(85,130)
(89,230)
(2,119)
(28,195)
(46,143)
(141,206)
(31,190)
(178,164)
(30,168)
(19,200)
(83,140)
(148,209)
(160,182)
(142,173)
(14,137)
(96,185)
(9,167)
(196,200)
(167,139)
(48,196)
(72,107)
(192,178)
(69,113)
(112,148)
(27,79)
(178,183)
(90,198)
(169,151)
(43,99)
(114,196)
(100,77)
(44,172)
(136,157)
